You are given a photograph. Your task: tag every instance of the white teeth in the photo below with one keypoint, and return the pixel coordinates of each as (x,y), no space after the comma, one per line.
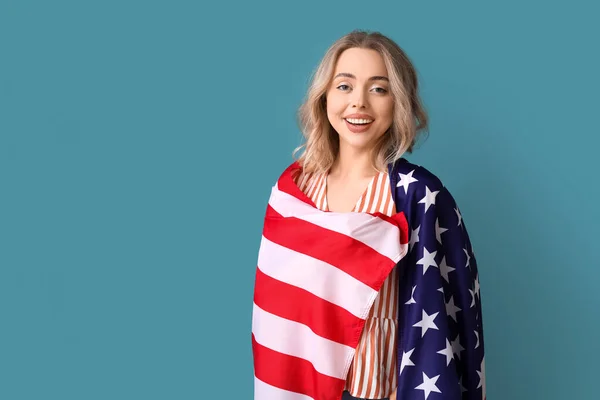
(359,121)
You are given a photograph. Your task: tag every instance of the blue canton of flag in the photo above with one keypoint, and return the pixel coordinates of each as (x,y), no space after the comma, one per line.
(440,339)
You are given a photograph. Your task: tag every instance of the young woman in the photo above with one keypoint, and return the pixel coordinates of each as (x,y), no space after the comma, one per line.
(335,316)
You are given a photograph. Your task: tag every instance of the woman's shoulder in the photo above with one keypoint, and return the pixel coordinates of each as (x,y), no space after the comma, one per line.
(418,191)
(407,176)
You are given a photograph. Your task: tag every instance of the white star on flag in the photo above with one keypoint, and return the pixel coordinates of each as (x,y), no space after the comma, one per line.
(427,260)
(447,352)
(414,237)
(456,347)
(439,231)
(426,322)
(445,269)
(429,198)
(451,309)
(428,385)
(406,362)
(406,180)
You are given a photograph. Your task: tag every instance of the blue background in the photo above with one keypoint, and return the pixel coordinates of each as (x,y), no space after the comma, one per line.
(139,141)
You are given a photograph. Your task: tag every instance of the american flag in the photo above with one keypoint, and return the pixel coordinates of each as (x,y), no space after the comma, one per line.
(313,292)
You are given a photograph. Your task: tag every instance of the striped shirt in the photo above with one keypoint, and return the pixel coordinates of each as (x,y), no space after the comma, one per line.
(372,374)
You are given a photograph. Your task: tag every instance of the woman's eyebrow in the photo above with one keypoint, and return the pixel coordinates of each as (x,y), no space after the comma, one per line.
(373,78)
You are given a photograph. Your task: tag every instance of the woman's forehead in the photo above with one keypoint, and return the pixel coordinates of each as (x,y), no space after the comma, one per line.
(358,63)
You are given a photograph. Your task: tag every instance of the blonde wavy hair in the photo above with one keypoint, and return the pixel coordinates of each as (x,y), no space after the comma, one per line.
(321,142)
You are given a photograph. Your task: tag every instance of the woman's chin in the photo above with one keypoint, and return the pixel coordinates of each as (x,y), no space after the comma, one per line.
(356,144)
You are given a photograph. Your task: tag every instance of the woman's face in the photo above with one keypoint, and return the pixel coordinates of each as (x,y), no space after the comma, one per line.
(360,86)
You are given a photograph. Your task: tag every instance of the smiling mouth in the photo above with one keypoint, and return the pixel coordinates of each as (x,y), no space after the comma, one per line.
(358,128)
(357,123)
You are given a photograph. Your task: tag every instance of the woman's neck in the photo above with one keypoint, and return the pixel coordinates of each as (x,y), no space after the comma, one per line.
(350,165)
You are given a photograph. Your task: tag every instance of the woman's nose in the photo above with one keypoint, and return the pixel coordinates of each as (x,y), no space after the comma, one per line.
(358,98)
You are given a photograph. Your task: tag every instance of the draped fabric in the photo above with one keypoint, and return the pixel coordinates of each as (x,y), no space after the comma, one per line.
(372,374)
(317,278)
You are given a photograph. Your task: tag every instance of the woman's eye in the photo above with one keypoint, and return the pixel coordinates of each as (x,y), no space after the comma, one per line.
(342,86)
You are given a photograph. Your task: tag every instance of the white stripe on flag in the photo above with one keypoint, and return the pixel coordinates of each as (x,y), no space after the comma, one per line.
(298,340)
(318,277)
(375,232)
(263,390)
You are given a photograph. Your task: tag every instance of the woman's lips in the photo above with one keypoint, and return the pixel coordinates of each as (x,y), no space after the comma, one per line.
(358,128)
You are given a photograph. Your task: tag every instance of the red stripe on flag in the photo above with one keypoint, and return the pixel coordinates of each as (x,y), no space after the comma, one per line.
(296,304)
(342,251)
(294,374)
